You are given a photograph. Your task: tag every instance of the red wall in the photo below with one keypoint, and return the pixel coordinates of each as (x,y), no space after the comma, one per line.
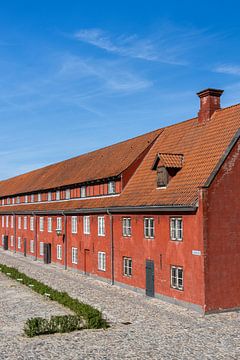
(223,236)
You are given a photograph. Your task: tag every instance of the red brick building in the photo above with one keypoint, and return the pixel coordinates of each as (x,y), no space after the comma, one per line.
(158,213)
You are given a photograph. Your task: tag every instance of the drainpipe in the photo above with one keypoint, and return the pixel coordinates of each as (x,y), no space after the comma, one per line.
(65,240)
(112,246)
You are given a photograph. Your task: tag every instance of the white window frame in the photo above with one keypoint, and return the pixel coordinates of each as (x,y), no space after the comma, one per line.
(19,243)
(74,224)
(127,226)
(83,191)
(58,195)
(32,198)
(2,221)
(18,200)
(12,221)
(59,224)
(49,224)
(149,228)
(13,200)
(41,248)
(49,196)
(101,226)
(32,246)
(111,187)
(7,222)
(101,261)
(176,228)
(25,223)
(127,266)
(59,252)
(41,223)
(3,239)
(74,255)
(39,197)
(3,202)
(26,199)
(67,194)
(32,223)
(11,240)
(8,201)
(86,224)
(19,222)
(176,279)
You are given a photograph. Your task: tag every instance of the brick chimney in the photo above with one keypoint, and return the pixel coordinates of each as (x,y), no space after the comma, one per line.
(209,103)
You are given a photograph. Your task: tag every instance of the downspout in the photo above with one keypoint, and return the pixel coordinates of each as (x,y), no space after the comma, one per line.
(112,246)
(65,240)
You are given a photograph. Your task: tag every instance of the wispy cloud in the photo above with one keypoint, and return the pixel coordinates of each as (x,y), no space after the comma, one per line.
(228,69)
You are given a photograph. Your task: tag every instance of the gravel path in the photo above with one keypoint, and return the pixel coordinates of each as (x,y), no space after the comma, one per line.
(157,330)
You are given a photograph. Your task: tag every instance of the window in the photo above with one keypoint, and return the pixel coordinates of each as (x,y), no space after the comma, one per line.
(19,242)
(49,196)
(41,248)
(31,246)
(59,251)
(59,223)
(32,198)
(127,266)
(83,191)
(19,222)
(2,240)
(2,201)
(7,221)
(127,230)
(13,200)
(74,255)
(67,194)
(8,201)
(25,222)
(26,198)
(39,197)
(102,261)
(101,226)
(177,277)
(12,221)
(111,187)
(74,224)
(162,177)
(176,229)
(86,224)
(49,224)
(58,195)
(31,223)
(18,199)
(149,228)
(41,224)
(12,241)
(3,221)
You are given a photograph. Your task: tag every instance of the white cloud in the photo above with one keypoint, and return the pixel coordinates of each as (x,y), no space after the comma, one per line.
(228,69)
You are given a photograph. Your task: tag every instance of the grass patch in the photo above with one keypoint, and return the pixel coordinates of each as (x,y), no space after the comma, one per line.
(86,317)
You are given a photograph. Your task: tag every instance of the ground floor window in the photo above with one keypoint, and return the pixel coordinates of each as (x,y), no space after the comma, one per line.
(12,240)
(2,240)
(41,245)
(19,243)
(32,246)
(127,266)
(177,277)
(102,261)
(59,252)
(74,255)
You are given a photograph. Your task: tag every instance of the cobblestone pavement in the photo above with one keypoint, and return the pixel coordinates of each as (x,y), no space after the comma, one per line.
(157,330)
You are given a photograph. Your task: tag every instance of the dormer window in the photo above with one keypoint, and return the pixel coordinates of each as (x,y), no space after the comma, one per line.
(162,177)
(167,166)
(111,187)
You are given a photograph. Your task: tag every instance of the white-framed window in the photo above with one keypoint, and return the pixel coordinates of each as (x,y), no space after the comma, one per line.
(149,228)
(26,198)
(41,248)
(49,197)
(74,224)
(59,252)
(83,191)
(12,241)
(126,226)
(3,201)
(8,201)
(176,229)
(57,195)
(32,197)
(41,223)
(74,255)
(67,194)
(25,222)
(32,246)
(39,197)
(127,266)
(49,224)
(12,221)
(2,240)
(13,200)
(19,242)
(101,226)
(7,221)
(111,187)
(18,199)
(59,223)
(19,222)
(86,224)
(101,261)
(177,277)
(31,223)
(2,221)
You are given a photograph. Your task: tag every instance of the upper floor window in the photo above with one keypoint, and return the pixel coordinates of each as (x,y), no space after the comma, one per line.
(177,277)
(59,223)
(41,223)
(3,201)
(39,197)
(111,187)
(57,195)
(18,199)
(149,228)
(126,227)
(101,225)
(67,194)
(86,224)
(26,198)
(83,191)
(49,196)
(176,229)
(13,200)
(74,224)
(8,201)
(32,197)
(49,224)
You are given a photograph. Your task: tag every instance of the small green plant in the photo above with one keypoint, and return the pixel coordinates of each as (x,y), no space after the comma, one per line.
(86,316)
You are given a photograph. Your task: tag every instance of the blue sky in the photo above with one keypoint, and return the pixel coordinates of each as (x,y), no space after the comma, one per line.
(79,75)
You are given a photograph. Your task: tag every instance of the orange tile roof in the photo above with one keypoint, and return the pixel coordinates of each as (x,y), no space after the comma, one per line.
(168,160)
(202,146)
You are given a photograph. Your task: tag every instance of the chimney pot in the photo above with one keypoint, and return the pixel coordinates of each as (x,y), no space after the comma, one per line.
(209,103)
